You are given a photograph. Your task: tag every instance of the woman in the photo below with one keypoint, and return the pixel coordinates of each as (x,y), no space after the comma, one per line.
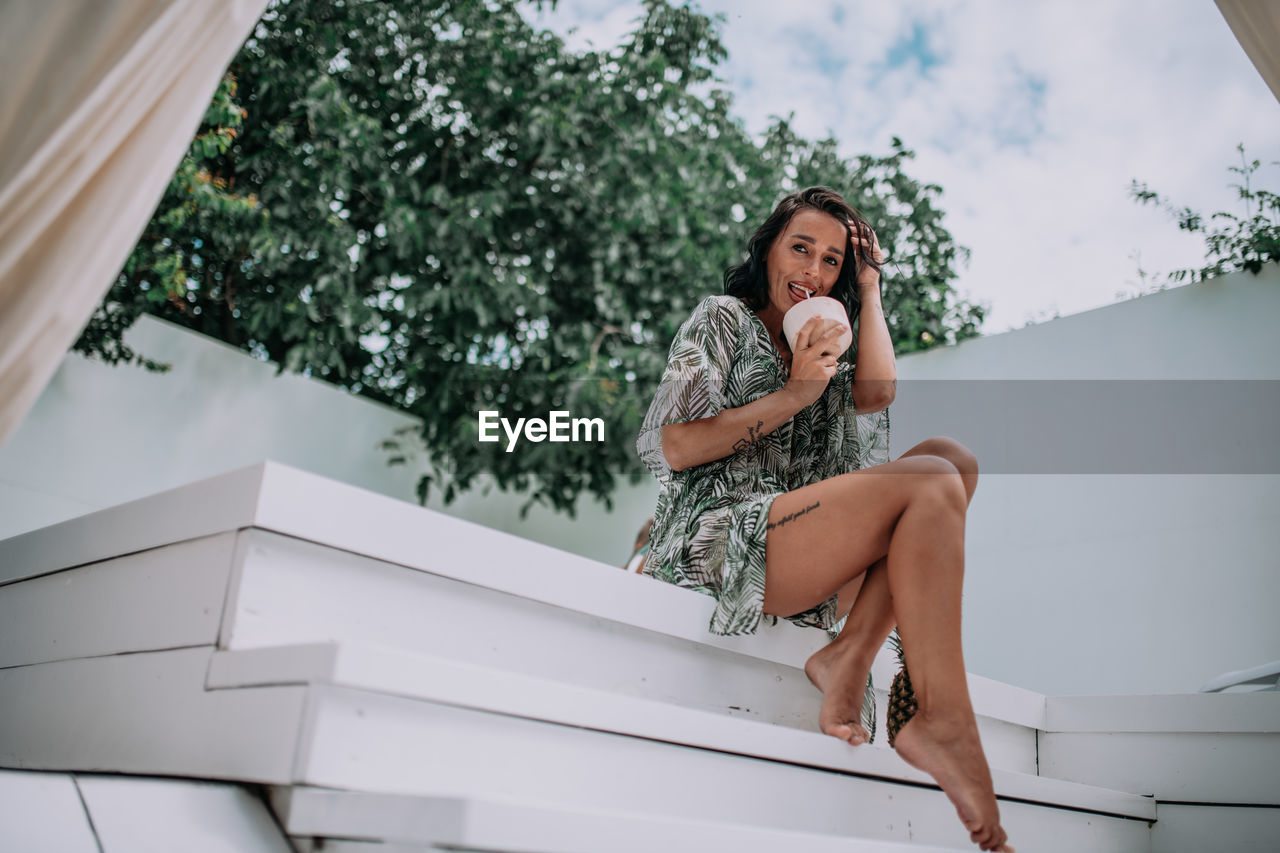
(778,497)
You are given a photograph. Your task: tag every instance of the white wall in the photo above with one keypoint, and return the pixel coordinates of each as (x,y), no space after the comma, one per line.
(1110,583)
(1093,583)
(103,435)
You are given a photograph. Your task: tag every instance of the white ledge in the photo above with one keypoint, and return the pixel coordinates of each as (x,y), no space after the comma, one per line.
(417,676)
(1252,713)
(285,500)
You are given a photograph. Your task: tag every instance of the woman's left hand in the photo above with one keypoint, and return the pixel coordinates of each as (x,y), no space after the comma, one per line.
(868,276)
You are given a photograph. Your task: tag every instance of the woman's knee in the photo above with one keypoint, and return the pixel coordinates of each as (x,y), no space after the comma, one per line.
(949,449)
(960,457)
(943,479)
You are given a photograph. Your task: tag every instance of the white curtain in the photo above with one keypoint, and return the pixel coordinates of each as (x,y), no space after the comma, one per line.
(99,100)
(1256,25)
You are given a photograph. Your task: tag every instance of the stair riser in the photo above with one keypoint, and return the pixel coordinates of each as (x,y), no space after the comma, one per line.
(1195,829)
(163,598)
(146,713)
(524,827)
(149,713)
(360,741)
(1206,767)
(287,591)
(174,596)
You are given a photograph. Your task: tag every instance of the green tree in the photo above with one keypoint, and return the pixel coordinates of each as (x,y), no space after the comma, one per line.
(440,207)
(1232,243)
(178,251)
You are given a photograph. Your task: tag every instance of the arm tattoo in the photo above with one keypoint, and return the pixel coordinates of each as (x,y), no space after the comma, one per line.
(755,435)
(792,516)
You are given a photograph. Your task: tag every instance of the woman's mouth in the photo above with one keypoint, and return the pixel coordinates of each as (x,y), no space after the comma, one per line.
(799,292)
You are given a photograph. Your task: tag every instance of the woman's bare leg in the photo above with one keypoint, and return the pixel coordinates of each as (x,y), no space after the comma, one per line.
(912,511)
(840,669)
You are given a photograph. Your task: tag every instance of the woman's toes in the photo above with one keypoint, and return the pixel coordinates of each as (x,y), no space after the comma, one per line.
(987,835)
(851,733)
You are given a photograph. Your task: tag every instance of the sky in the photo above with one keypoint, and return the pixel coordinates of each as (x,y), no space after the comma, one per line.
(1034,117)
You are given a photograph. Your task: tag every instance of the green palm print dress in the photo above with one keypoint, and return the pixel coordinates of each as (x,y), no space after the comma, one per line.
(709,527)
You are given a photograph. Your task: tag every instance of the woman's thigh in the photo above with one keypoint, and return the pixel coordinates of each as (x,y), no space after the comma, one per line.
(823,535)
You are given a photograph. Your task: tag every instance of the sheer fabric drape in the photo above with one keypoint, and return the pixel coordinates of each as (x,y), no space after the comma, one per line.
(99,100)
(1256,25)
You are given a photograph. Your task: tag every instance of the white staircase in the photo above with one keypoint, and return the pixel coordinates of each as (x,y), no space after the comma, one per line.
(402,680)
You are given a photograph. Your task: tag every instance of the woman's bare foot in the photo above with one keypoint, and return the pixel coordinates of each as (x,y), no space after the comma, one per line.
(840,671)
(949,750)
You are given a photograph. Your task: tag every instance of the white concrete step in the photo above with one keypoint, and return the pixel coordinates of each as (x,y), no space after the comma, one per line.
(393,672)
(309,560)
(446,730)
(248,627)
(1195,747)
(147,713)
(43,811)
(328,820)
(152,713)
(1212,761)
(66,813)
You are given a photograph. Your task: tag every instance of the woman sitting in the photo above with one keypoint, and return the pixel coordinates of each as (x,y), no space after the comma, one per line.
(778,498)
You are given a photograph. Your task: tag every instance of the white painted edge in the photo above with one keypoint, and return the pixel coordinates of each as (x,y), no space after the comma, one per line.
(420,677)
(312,844)
(513,825)
(235,579)
(1252,713)
(303,663)
(1266,674)
(215,505)
(1006,702)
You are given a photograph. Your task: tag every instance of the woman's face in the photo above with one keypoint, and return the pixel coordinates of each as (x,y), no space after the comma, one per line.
(805,258)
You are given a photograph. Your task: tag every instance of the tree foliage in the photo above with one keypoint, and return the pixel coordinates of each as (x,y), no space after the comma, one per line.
(1232,242)
(440,207)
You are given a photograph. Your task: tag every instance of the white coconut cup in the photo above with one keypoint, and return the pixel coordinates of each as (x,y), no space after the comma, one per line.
(818,306)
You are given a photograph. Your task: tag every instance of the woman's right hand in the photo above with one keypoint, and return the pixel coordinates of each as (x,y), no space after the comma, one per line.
(813,361)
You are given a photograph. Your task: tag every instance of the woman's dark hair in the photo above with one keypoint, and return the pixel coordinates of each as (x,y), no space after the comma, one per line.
(748,281)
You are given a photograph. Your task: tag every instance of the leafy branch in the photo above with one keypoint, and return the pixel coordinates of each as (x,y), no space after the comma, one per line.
(1232,242)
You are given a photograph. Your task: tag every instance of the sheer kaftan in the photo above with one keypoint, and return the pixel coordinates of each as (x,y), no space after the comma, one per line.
(709,528)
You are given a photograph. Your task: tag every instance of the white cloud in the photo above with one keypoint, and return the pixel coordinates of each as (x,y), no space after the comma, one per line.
(1033,118)
(588,25)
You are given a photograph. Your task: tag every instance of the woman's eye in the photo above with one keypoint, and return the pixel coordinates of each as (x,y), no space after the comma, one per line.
(833,262)
(800,247)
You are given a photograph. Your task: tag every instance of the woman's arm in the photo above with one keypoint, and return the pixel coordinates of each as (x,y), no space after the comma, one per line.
(698,442)
(708,439)
(875,376)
